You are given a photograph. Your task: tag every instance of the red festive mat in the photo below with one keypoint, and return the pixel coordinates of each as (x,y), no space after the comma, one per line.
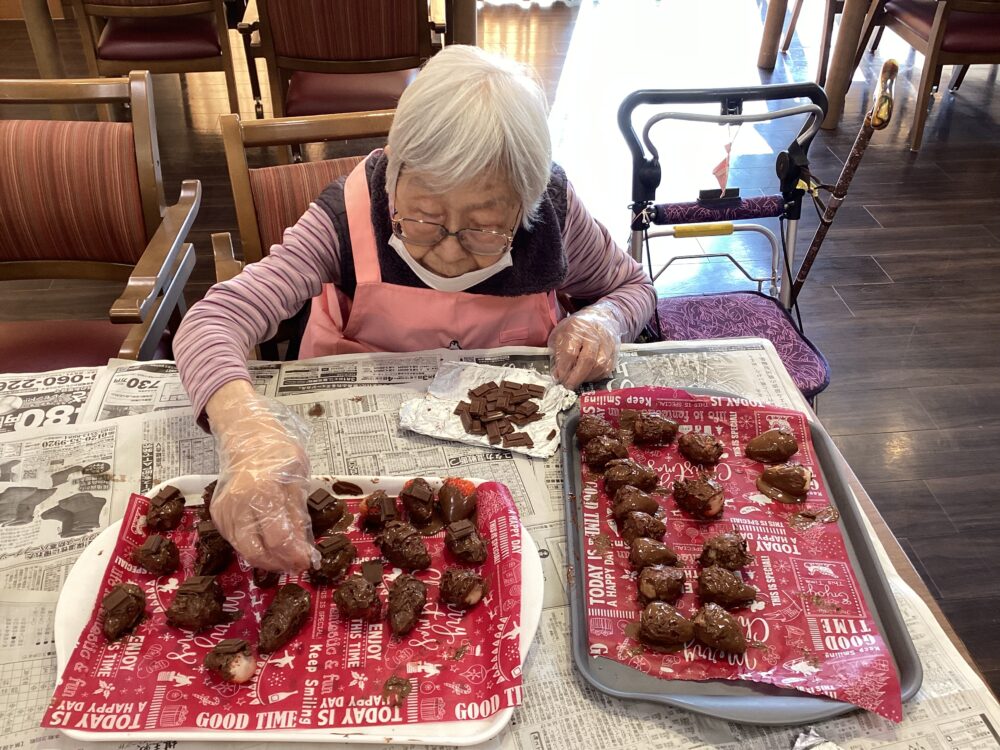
(331,675)
(810,628)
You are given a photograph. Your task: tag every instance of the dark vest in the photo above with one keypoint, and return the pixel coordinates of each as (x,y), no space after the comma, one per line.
(539,261)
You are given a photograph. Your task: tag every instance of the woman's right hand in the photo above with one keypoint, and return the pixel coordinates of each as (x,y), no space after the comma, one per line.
(259,504)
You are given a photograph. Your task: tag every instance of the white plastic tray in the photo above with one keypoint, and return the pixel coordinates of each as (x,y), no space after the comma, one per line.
(76,602)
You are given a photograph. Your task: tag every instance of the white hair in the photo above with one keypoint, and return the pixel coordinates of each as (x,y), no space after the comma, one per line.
(469,113)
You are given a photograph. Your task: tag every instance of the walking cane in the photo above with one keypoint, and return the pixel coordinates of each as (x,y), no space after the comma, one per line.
(876,119)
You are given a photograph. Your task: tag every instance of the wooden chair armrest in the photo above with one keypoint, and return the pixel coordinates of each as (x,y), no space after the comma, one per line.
(156,266)
(226,265)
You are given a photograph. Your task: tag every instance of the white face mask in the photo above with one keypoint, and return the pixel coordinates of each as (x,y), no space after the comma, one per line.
(448,283)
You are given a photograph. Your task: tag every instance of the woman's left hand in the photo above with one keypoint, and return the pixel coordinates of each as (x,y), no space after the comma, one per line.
(585,345)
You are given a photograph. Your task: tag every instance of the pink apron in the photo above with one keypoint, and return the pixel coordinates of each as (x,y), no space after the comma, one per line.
(391,318)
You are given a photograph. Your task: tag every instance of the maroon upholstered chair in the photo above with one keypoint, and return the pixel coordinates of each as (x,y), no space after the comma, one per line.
(161,36)
(336,56)
(945,32)
(86,202)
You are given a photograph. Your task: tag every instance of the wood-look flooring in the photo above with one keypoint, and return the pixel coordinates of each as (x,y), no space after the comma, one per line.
(904,299)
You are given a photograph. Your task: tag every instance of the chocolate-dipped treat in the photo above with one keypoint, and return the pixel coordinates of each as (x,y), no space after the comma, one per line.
(725,588)
(662,625)
(325,511)
(629,499)
(158,555)
(377,510)
(403,546)
(462,588)
(407,598)
(652,428)
(464,542)
(602,449)
(786,483)
(646,552)
(232,660)
(701,449)
(660,583)
(123,607)
(417,497)
(166,508)
(282,621)
(637,524)
(357,597)
(214,552)
(591,426)
(457,499)
(336,555)
(198,604)
(773,447)
(625,471)
(266,579)
(205,511)
(703,497)
(716,628)
(727,550)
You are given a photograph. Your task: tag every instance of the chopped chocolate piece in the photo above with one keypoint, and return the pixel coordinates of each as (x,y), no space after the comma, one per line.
(357,597)
(493,416)
(552,434)
(701,449)
(491,405)
(519,398)
(340,487)
(650,552)
(503,403)
(716,628)
(166,509)
(505,427)
(287,614)
(703,497)
(728,550)
(638,525)
(662,625)
(510,385)
(465,543)
(232,660)
(214,552)
(403,546)
(457,499)
(372,571)
(773,447)
(536,391)
(477,427)
(462,408)
(660,583)
(518,440)
(527,408)
(478,407)
(786,483)
(377,510)
(625,471)
(652,428)
(602,449)
(483,389)
(266,579)
(723,587)
(158,555)
(631,500)
(336,555)
(198,604)
(467,421)
(591,426)
(407,598)
(418,499)
(462,588)
(124,607)
(206,500)
(493,432)
(325,511)
(395,691)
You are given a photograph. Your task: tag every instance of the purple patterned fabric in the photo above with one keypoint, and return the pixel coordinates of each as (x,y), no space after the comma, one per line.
(746,314)
(757,207)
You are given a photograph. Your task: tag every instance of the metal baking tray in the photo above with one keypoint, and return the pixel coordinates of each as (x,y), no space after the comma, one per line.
(736,700)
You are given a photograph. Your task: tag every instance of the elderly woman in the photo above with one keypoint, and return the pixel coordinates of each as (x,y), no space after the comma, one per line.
(459,234)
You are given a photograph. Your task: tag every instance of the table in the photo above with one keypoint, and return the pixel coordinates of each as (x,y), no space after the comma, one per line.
(132,415)
(838,80)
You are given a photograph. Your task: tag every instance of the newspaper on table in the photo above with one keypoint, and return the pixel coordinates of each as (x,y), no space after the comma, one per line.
(45,399)
(953,710)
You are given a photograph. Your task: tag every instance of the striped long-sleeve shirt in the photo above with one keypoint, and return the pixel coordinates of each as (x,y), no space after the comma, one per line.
(219,331)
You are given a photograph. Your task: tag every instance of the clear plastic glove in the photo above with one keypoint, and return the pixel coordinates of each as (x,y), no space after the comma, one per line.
(585,345)
(259,504)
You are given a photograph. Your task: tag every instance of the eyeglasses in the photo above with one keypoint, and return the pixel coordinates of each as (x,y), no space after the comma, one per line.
(475,241)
